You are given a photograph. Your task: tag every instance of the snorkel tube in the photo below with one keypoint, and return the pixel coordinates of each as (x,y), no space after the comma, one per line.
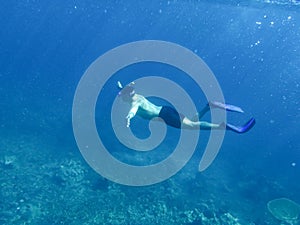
(120,86)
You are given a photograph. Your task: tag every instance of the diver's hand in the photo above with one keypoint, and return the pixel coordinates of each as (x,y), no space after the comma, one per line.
(128,117)
(128,122)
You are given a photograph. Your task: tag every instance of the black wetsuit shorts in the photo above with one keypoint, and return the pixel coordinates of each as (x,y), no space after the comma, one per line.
(171,116)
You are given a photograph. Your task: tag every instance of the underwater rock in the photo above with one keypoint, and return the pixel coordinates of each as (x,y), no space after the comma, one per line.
(285,210)
(9,161)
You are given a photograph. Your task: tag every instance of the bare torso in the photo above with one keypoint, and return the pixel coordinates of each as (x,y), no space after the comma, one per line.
(148,108)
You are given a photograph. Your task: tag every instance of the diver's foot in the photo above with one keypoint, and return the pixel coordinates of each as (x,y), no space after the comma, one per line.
(226,107)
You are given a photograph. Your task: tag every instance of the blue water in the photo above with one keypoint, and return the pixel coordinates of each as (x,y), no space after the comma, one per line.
(253,49)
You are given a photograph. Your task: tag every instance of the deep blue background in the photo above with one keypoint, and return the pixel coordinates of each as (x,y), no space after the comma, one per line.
(253,50)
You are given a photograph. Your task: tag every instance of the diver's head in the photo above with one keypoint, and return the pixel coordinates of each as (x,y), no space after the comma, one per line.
(126,92)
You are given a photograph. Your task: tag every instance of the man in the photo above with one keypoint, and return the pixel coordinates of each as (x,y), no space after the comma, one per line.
(140,105)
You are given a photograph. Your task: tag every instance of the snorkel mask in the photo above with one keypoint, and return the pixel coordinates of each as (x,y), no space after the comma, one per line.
(126,92)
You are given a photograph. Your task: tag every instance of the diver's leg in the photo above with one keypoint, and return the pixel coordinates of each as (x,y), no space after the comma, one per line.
(201,113)
(196,125)
(216,105)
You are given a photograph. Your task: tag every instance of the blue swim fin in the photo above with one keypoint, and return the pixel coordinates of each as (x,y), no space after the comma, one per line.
(226,107)
(247,126)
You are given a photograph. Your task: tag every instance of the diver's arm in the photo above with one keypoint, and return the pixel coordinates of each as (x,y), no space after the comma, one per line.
(132,113)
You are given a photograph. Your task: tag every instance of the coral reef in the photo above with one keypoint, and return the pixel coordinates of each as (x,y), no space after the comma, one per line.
(46,186)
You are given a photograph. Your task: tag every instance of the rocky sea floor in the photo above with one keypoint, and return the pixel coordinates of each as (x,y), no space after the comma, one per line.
(44,184)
